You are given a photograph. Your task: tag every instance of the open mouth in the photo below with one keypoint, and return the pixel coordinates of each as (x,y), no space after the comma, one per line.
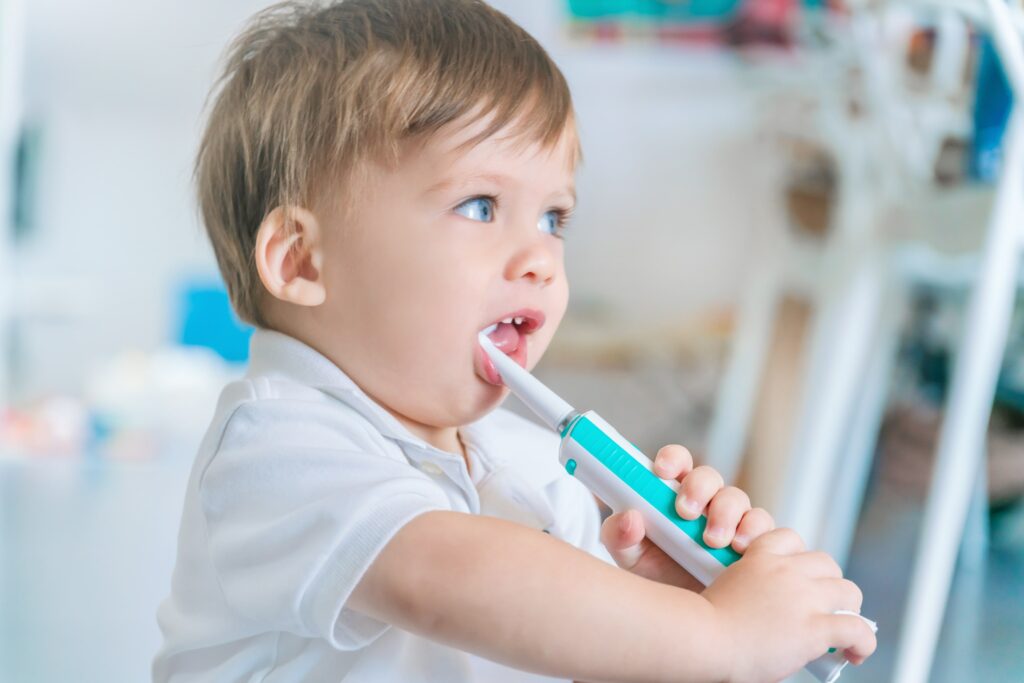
(510,334)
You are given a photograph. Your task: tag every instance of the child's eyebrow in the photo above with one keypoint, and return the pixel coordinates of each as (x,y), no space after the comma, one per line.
(454,183)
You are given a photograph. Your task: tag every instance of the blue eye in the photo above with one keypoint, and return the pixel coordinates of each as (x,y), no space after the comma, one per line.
(551,223)
(477,209)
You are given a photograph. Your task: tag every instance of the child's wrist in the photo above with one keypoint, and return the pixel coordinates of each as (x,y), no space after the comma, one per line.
(721,644)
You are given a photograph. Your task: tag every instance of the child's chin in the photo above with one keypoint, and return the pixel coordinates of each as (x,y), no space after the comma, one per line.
(486,397)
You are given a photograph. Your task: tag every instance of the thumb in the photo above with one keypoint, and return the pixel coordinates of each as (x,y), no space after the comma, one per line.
(624,536)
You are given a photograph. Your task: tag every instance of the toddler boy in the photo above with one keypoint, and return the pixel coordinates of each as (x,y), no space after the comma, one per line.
(381,180)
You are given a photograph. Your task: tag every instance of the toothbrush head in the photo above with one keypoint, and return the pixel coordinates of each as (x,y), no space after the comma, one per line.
(545,403)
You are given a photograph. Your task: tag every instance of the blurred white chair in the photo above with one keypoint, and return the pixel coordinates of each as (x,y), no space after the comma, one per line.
(856,309)
(960,449)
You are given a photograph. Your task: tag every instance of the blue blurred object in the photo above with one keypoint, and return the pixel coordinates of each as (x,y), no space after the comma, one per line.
(652,10)
(208,320)
(992,104)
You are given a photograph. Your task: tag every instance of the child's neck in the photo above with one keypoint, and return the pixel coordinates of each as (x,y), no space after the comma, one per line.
(447,439)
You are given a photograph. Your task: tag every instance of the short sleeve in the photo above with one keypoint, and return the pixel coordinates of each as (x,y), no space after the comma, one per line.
(294,523)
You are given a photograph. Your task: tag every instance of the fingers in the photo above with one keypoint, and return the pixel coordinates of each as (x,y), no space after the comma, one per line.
(843,594)
(725,511)
(623,534)
(701,489)
(819,565)
(836,592)
(851,634)
(673,461)
(783,541)
(696,491)
(755,522)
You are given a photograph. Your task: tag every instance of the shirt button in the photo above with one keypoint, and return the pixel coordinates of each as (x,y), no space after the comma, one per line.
(430,468)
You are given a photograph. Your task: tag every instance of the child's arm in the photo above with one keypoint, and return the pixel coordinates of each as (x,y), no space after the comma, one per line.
(533,602)
(523,598)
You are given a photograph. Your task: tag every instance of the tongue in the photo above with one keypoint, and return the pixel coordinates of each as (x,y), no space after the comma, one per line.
(506,337)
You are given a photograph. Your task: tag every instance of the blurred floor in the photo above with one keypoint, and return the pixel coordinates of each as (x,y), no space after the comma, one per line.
(982,638)
(87,552)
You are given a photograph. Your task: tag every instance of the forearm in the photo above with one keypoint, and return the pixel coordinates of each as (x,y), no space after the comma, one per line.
(533,602)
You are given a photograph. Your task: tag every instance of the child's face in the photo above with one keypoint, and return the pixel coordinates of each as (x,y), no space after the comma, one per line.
(443,245)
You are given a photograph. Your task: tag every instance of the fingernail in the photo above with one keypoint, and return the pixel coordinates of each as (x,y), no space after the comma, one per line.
(627,522)
(716,533)
(689,506)
(740,541)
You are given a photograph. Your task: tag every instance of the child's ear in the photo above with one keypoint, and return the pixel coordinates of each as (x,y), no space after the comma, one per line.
(289,257)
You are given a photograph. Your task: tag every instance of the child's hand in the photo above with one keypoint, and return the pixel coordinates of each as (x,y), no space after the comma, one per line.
(730,520)
(774,610)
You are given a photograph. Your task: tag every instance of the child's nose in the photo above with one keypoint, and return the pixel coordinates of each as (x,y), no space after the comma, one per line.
(535,260)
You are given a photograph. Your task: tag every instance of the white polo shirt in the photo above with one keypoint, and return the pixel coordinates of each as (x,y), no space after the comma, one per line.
(299,483)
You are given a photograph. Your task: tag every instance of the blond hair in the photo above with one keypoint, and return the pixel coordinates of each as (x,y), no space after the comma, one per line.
(310,91)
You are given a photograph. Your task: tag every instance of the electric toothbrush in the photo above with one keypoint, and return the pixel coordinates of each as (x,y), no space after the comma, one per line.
(619,474)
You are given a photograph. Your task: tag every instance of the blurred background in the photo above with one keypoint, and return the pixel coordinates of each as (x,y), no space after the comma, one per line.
(796,251)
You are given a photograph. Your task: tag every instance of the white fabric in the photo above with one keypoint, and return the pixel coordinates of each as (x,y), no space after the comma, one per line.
(298,484)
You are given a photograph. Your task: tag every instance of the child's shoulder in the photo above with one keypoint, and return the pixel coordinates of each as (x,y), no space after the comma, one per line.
(276,414)
(275,439)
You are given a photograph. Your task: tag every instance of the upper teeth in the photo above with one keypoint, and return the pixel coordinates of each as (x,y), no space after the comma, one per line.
(517,321)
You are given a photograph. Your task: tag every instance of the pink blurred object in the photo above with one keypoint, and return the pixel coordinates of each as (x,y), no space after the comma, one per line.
(53,426)
(762,23)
